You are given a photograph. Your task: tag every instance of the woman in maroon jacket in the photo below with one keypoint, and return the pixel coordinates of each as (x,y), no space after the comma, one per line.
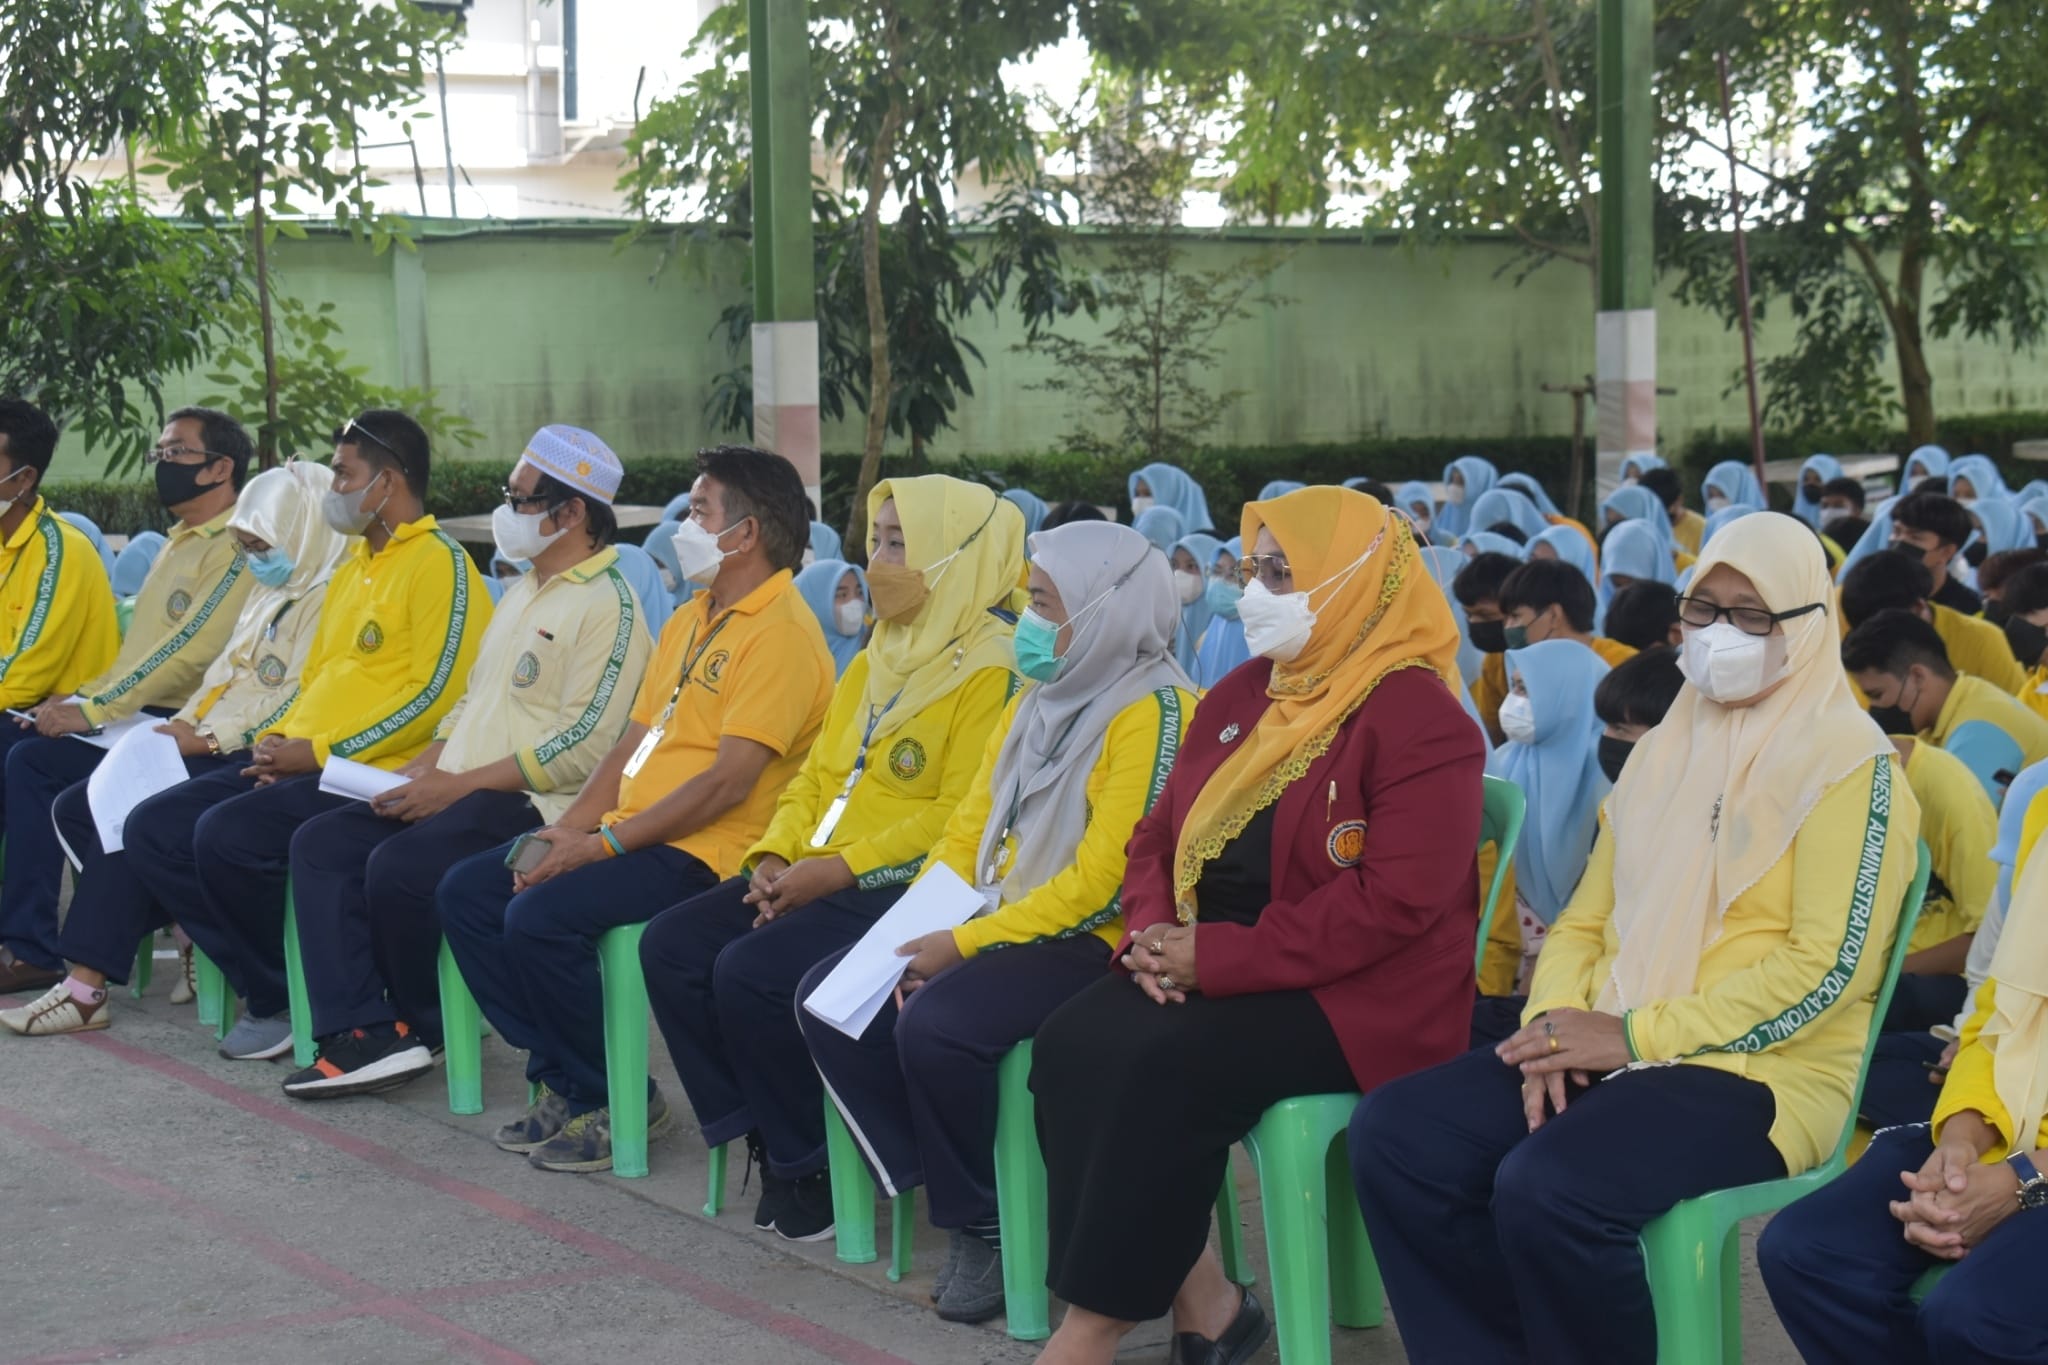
(1299,910)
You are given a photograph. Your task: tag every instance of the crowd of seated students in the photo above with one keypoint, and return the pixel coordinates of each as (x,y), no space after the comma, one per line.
(1220,799)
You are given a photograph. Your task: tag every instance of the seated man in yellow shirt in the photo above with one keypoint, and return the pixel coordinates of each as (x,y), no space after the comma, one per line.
(1548,599)
(1903,667)
(728,708)
(1892,580)
(545,702)
(1688,528)
(2025,599)
(400,626)
(1477,588)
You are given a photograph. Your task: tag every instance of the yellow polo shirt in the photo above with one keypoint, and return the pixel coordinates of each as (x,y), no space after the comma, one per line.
(250,685)
(57,625)
(183,617)
(758,671)
(915,775)
(1688,531)
(2034,691)
(1978,648)
(553,682)
(399,632)
(1959,824)
(1974,698)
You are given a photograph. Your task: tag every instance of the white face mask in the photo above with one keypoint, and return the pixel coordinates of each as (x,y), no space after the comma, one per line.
(518,534)
(1454,494)
(1518,718)
(1969,504)
(7,505)
(1277,625)
(1140,506)
(1421,520)
(810,558)
(698,552)
(1715,502)
(1189,585)
(849,616)
(1731,666)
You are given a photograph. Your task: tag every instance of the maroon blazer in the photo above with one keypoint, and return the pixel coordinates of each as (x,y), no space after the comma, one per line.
(1375,890)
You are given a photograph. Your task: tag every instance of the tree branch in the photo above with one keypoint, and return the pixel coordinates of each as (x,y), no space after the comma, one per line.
(1558,249)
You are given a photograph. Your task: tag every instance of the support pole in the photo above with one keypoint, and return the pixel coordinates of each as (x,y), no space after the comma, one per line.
(1625,329)
(447,140)
(785,291)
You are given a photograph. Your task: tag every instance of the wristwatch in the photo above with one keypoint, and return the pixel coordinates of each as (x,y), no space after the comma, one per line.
(212,742)
(2033,1190)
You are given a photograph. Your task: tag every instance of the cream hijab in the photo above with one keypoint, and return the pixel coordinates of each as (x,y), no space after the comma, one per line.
(1713,797)
(2019,1012)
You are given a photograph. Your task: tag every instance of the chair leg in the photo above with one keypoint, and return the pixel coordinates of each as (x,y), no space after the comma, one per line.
(1021,1200)
(303,1048)
(461,1039)
(1230,1231)
(1684,1253)
(853,1193)
(1357,1297)
(625,1046)
(145,964)
(216,1004)
(714,1184)
(902,1233)
(1294,1191)
(1731,1298)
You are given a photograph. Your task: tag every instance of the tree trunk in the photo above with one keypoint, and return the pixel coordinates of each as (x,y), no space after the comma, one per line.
(1916,385)
(879,157)
(266,436)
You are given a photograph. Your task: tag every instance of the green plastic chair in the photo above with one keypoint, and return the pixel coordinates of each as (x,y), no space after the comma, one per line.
(216,1003)
(1693,1255)
(853,1202)
(304,1049)
(1500,824)
(145,966)
(462,1037)
(124,612)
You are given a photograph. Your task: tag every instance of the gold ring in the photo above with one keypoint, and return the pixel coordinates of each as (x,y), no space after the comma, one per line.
(1165,982)
(1158,947)
(1553,1042)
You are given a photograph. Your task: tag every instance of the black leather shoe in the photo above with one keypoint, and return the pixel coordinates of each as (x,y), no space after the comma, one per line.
(1240,1341)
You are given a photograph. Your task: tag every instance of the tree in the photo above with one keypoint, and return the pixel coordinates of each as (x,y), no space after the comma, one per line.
(1148,374)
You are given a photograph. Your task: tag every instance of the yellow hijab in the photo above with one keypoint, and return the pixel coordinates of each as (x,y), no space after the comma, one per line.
(1714,795)
(969,544)
(1381,615)
(2019,1011)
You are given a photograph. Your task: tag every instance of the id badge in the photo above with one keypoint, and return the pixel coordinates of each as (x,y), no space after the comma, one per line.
(833,812)
(998,862)
(647,745)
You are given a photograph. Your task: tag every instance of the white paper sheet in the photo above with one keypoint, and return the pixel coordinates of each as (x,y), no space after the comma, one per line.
(111,735)
(851,995)
(359,781)
(141,764)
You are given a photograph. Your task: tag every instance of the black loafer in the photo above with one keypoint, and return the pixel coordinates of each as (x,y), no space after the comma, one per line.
(1240,1341)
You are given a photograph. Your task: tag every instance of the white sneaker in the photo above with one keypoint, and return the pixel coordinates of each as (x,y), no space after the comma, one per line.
(186,991)
(55,1011)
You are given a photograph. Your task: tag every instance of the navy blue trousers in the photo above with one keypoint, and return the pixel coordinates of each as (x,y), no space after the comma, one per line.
(111,907)
(12,732)
(1502,1245)
(38,771)
(217,857)
(1901,1089)
(531,959)
(725,996)
(918,1089)
(363,888)
(1839,1271)
(1920,1002)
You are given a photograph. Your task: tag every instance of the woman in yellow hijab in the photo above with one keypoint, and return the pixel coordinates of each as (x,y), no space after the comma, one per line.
(1299,909)
(899,748)
(1698,1014)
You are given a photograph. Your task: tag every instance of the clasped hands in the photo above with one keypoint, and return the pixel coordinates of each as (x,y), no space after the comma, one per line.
(1162,962)
(1564,1045)
(1955,1199)
(779,886)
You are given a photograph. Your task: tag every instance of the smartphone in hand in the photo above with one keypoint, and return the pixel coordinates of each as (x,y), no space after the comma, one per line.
(528,851)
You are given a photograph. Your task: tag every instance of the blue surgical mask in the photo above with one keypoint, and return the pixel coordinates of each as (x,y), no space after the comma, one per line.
(273,568)
(1223,595)
(1034,644)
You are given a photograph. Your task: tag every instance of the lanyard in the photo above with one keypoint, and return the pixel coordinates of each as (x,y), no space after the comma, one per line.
(270,631)
(999,860)
(833,812)
(689,667)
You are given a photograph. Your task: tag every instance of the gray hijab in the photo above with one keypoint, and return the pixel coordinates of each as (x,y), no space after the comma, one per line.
(1122,650)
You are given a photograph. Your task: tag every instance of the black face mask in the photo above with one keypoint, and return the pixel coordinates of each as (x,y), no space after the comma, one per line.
(1892,720)
(1976,554)
(1613,754)
(1995,612)
(1489,637)
(177,484)
(2026,640)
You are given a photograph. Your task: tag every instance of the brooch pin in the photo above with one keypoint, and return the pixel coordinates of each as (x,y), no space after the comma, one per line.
(1229,733)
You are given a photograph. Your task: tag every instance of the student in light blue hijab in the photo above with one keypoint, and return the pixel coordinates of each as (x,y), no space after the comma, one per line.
(2002,526)
(1926,462)
(1553,754)
(1633,502)
(1566,543)
(661,543)
(1528,487)
(1222,645)
(1466,480)
(1813,476)
(2037,488)
(824,542)
(1632,552)
(1506,505)
(1733,512)
(1974,479)
(1280,488)
(2034,516)
(1633,467)
(1031,505)
(678,508)
(1489,542)
(1191,558)
(92,533)
(837,594)
(1164,485)
(1732,483)
(1162,526)
(643,576)
(132,565)
(1415,499)
(1443,564)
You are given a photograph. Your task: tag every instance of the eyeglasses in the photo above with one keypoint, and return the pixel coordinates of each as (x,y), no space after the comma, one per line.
(1698,612)
(515,499)
(182,455)
(1271,570)
(352,429)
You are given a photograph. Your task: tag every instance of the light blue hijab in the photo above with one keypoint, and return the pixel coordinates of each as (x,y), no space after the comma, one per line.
(1986,483)
(1736,482)
(1162,526)
(2005,526)
(1633,551)
(91,530)
(1280,488)
(644,577)
(1455,518)
(2038,488)
(1415,494)
(678,507)
(132,565)
(819,585)
(824,542)
(1733,512)
(1030,504)
(1489,543)
(2034,514)
(1636,503)
(661,543)
(1558,770)
(1443,564)
(1526,485)
(1567,544)
(1172,488)
(1222,646)
(1807,507)
(1506,505)
(1926,462)
(1195,616)
(1639,465)
(2012,819)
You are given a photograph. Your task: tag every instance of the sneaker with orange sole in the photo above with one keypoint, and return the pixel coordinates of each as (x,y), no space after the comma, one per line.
(362,1061)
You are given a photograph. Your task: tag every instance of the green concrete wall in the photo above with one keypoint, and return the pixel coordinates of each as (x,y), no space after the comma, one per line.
(519,326)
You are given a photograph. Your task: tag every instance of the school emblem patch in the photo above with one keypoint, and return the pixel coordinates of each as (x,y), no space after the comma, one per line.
(906,759)
(180,603)
(526,672)
(270,670)
(1347,843)
(370,638)
(714,667)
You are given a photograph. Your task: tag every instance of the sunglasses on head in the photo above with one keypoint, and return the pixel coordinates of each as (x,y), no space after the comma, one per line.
(354,432)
